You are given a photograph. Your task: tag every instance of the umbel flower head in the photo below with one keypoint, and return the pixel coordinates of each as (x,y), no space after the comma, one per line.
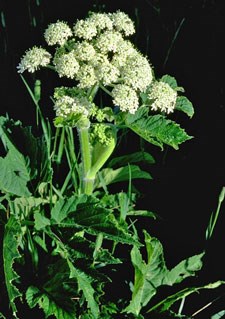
(95,52)
(163,96)
(57,33)
(33,59)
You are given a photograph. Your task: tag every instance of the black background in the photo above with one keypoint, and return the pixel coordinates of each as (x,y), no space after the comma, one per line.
(186,182)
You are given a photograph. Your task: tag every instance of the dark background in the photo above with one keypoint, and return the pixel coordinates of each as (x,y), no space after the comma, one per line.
(184,39)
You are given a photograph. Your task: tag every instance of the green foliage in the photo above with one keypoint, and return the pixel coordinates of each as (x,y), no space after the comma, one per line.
(167,303)
(121,174)
(11,243)
(153,273)
(66,236)
(156,129)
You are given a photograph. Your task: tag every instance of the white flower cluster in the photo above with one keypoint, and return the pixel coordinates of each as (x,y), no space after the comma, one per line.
(66,105)
(163,96)
(96,51)
(33,59)
(125,97)
(66,65)
(57,33)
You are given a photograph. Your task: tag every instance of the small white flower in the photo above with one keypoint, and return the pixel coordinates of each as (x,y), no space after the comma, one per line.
(109,41)
(125,97)
(66,65)
(125,49)
(85,29)
(107,73)
(33,59)
(67,105)
(163,96)
(57,33)
(84,51)
(123,23)
(101,21)
(86,76)
(137,71)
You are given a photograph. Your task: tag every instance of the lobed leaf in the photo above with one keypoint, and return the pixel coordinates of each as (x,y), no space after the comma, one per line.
(85,285)
(35,297)
(156,129)
(153,273)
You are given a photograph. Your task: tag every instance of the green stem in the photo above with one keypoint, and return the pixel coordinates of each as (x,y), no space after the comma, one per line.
(106,91)
(85,147)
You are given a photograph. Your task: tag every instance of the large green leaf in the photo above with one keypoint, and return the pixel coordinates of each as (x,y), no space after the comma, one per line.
(156,129)
(11,242)
(64,206)
(50,307)
(20,139)
(132,158)
(121,174)
(85,213)
(14,174)
(153,273)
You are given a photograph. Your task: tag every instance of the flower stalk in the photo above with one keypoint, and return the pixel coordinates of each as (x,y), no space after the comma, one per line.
(85,148)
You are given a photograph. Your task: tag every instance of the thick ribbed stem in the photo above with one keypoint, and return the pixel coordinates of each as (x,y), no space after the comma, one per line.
(87,183)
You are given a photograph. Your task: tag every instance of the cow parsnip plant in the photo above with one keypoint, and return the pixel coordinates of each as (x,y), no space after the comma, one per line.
(62,230)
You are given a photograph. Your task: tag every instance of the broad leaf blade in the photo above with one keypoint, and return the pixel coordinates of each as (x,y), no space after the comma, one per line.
(132,158)
(121,174)
(148,276)
(156,129)
(185,268)
(35,297)
(14,174)
(152,274)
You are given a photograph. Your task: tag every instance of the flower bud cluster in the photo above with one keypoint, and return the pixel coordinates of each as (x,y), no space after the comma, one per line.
(101,133)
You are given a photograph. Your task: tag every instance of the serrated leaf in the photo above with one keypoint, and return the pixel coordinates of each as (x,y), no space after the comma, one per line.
(35,297)
(11,242)
(156,129)
(85,285)
(85,213)
(20,139)
(153,273)
(14,174)
(121,174)
(132,158)
(97,219)
(65,206)
(184,105)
